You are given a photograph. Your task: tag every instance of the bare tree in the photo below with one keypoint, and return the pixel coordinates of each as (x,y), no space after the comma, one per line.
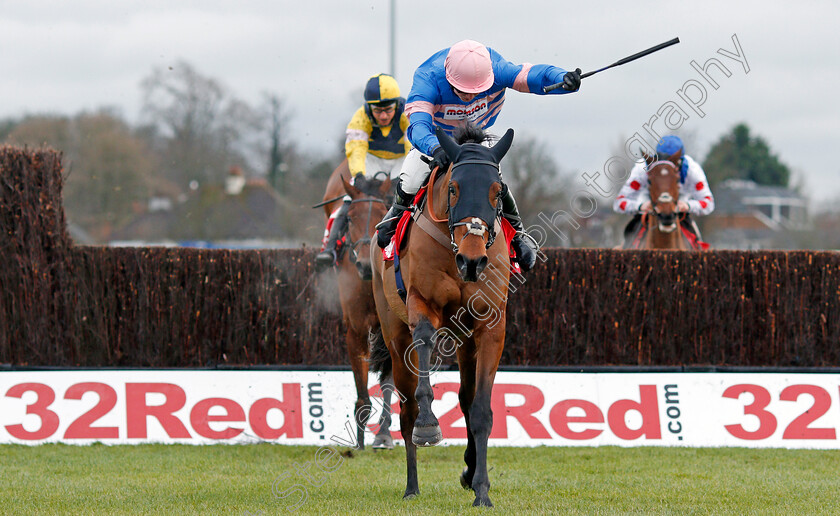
(200,126)
(110,171)
(276,120)
(542,191)
(534,177)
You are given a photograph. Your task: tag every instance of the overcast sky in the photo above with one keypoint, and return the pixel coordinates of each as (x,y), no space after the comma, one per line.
(67,56)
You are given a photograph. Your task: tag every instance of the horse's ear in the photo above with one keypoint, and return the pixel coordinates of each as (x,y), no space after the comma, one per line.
(351,190)
(675,157)
(502,146)
(649,158)
(450,146)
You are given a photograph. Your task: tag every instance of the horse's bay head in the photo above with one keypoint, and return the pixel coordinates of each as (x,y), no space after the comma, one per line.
(474,191)
(663,179)
(367,207)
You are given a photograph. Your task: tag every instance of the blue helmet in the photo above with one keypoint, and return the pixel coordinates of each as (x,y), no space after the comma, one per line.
(669,145)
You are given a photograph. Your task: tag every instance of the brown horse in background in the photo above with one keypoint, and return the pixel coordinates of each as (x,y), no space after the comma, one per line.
(354,289)
(663,222)
(456,273)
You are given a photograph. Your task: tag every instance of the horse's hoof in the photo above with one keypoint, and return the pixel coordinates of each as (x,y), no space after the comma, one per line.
(426,435)
(410,496)
(383,442)
(482,502)
(464,483)
(463,479)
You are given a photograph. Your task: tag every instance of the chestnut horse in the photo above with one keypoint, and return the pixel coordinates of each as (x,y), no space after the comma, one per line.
(663,223)
(354,289)
(456,275)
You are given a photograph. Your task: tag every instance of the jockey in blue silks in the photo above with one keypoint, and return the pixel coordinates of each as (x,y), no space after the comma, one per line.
(466,82)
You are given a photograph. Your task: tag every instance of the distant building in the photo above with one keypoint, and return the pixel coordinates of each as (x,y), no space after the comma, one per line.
(752,216)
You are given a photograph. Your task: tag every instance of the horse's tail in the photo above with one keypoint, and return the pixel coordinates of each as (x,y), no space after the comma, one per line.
(380,357)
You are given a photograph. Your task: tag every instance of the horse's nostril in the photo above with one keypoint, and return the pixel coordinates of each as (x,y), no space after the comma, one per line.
(460,261)
(365,270)
(469,268)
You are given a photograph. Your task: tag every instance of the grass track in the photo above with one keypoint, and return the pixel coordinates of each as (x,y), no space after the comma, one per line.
(176,479)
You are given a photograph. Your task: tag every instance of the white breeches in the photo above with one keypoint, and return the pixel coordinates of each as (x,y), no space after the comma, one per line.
(374,164)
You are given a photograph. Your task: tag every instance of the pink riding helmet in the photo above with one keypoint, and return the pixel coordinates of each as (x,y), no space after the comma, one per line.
(468,67)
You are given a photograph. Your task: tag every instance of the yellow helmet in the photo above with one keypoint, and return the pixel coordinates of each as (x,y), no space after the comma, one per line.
(382,90)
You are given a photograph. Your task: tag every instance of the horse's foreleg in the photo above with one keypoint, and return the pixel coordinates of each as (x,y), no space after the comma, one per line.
(481,422)
(356,349)
(383,438)
(426,428)
(489,347)
(407,415)
(406,382)
(466,394)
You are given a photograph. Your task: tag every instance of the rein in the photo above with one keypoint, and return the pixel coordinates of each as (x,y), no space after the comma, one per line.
(431,201)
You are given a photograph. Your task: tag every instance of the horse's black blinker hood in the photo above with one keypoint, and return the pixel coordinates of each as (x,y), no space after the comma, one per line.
(475,175)
(475,168)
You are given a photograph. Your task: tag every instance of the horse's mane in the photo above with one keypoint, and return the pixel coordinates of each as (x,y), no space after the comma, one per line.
(470,133)
(370,187)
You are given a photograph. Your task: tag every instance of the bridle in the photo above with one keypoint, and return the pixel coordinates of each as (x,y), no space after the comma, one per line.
(351,245)
(475,226)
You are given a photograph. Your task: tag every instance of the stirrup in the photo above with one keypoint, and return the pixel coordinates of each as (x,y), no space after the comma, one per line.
(325,259)
(399,215)
(386,229)
(385,222)
(535,247)
(525,246)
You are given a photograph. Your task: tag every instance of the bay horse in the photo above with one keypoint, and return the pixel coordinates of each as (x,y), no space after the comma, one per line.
(355,294)
(662,224)
(456,275)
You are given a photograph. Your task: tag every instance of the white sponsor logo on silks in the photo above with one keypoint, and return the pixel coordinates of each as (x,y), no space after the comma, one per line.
(471,112)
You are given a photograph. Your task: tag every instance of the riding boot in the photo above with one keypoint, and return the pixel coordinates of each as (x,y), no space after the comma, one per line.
(388,226)
(525,246)
(328,256)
